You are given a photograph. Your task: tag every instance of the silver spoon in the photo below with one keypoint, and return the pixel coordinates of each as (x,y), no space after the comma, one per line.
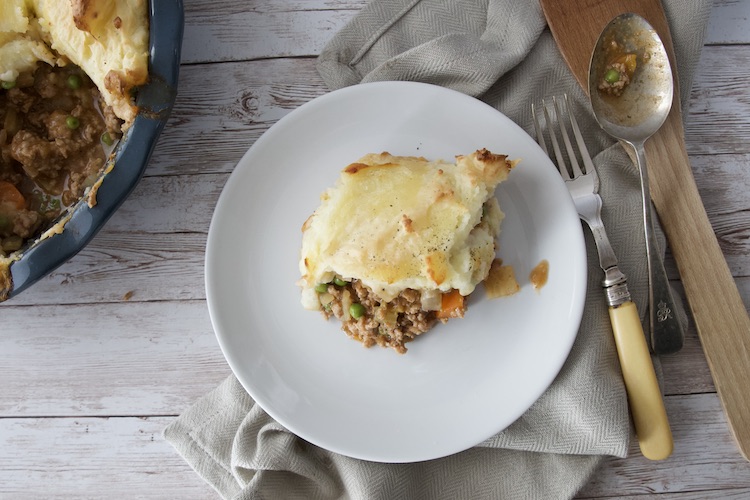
(633,116)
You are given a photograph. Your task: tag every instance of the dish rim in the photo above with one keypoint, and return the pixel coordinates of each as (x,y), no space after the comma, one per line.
(129,159)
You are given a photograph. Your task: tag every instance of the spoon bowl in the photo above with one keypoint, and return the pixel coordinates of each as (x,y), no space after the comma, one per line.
(631,89)
(645,102)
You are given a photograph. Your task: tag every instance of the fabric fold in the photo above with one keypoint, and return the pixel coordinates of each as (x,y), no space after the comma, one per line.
(465,46)
(498,51)
(245,454)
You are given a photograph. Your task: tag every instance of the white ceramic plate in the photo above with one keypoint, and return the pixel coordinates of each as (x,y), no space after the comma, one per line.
(458,384)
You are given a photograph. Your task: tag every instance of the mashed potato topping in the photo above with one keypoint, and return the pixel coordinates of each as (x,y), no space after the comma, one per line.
(402,230)
(107,39)
(21,44)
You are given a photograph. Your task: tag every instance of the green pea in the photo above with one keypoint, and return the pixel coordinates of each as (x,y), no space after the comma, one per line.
(612,76)
(74,82)
(72,122)
(321,287)
(107,139)
(339,282)
(54,204)
(356,310)
(8,85)
(4,222)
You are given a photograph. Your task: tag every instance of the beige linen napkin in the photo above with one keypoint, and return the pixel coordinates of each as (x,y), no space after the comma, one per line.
(499,51)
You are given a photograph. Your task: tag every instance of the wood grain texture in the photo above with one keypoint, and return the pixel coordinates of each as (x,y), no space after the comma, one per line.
(728,23)
(132,358)
(93,458)
(83,405)
(261,29)
(700,421)
(716,305)
(717,308)
(723,182)
(719,110)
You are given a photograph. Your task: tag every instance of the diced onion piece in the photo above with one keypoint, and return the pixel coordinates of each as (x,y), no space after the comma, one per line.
(390,316)
(431,300)
(346,301)
(325,298)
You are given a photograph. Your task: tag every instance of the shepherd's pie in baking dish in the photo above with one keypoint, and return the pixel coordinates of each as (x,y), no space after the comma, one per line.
(68,73)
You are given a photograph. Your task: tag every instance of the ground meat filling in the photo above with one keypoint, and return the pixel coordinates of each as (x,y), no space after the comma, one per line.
(391,324)
(54,139)
(615,79)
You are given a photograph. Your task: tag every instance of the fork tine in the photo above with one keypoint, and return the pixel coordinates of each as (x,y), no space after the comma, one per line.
(587,163)
(561,116)
(553,138)
(538,129)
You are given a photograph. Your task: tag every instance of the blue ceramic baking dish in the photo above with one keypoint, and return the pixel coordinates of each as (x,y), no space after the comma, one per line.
(155,101)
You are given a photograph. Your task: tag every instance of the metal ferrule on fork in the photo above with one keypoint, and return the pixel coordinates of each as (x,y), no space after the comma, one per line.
(615,287)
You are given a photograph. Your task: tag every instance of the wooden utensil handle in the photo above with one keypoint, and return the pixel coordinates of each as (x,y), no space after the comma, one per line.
(646,403)
(715,302)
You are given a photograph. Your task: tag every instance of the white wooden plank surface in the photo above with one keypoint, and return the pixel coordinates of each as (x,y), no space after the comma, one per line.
(133,358)
(260,29)
(728,23)
(100,356)
(93,458)
(705,457)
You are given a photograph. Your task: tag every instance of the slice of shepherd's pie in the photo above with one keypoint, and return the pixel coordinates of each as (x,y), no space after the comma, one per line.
(399,242)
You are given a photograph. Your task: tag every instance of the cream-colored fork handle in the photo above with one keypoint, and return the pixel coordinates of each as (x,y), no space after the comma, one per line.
(646,402)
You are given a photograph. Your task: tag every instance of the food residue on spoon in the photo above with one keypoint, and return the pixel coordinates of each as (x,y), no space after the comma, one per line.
(618,73)
(539,275)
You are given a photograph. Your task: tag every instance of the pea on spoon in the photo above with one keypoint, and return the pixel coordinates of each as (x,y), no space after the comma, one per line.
(631,90)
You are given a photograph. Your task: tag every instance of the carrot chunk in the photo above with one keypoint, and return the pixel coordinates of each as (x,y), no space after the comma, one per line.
(629,61)
(451,305)
(10,197)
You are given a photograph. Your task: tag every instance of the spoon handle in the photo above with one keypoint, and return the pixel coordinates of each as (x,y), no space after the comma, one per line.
(667,335)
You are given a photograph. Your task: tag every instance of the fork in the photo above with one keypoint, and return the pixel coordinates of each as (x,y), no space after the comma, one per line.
(646,402)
